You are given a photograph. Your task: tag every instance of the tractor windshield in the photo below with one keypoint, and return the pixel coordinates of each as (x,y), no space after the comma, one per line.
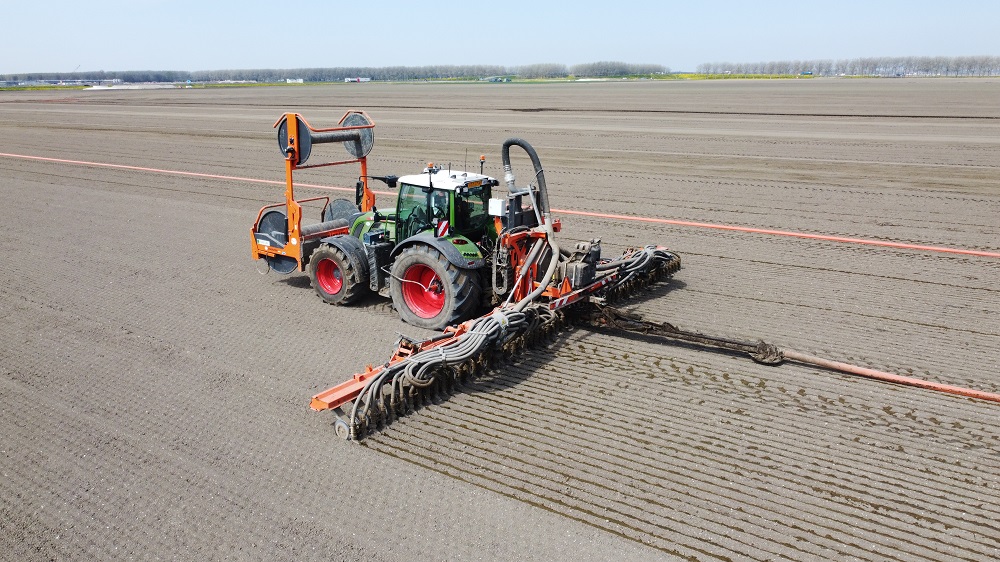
(471,211)
(417,209)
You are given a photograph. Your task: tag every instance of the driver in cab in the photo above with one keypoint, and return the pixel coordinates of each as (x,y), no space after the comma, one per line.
(439,204)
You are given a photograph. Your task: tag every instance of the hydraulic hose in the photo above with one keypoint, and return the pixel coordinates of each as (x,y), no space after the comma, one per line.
(536,248)
(544,283)
(420,370)
(888,377)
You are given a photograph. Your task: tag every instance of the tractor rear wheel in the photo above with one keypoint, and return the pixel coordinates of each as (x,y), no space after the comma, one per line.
(332,275)
(431,292)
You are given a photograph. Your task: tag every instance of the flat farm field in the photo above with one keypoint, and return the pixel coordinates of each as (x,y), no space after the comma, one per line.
(154,388)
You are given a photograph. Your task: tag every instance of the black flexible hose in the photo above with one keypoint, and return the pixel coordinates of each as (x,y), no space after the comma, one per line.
(419,370)
(543,194)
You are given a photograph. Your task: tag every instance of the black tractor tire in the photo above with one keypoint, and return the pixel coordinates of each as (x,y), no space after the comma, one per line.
(431,292)
(334,277)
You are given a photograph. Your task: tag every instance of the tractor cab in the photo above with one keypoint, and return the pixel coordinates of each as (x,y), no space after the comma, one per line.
(444,202)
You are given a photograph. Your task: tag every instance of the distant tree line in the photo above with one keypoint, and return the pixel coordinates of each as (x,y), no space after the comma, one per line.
(607,69)
(338,74)
(870,66)
(589,70)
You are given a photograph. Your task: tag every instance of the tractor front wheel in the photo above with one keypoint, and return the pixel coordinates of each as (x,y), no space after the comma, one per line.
(332,275)
(431,292)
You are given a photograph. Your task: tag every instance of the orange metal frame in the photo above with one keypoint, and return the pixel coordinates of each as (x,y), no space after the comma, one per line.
(519,244)
(348,390)
(293,207)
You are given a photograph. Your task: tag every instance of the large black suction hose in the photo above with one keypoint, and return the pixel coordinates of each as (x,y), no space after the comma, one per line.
(543,194)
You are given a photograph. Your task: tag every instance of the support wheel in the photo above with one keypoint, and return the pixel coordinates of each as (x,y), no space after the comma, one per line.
(343,430)
(431,292)
(333,276)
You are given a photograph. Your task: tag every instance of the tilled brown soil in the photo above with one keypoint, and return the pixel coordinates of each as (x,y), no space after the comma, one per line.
(154,388)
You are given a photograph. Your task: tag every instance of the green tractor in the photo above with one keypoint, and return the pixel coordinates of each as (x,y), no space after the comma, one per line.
(428,253)
(435,253)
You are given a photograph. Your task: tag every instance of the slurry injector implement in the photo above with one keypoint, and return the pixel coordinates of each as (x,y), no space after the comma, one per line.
(453,254)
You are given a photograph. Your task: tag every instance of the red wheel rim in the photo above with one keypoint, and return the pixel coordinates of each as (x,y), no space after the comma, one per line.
(423,291)
(329,277)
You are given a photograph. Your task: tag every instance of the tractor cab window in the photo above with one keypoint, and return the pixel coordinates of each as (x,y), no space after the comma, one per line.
(439,205)
(472,210)
(418,208)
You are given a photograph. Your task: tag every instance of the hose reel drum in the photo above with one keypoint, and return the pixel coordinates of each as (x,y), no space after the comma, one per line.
(358,142)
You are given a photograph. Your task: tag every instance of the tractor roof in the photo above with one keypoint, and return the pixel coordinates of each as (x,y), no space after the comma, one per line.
(444,179)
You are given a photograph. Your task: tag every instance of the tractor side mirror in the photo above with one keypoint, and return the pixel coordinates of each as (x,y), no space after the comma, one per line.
(389,180)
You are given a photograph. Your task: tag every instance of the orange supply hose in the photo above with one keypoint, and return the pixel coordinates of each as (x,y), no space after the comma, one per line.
(889,377)
(751,230)
(765,353)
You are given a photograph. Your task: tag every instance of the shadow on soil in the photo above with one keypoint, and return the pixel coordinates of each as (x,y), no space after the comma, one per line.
(297,281)
(369,301)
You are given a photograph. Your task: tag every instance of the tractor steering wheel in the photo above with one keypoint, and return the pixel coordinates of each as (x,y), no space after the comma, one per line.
(417,221)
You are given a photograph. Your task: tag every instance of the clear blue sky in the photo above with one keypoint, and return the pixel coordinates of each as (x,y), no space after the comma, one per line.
(63,35)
